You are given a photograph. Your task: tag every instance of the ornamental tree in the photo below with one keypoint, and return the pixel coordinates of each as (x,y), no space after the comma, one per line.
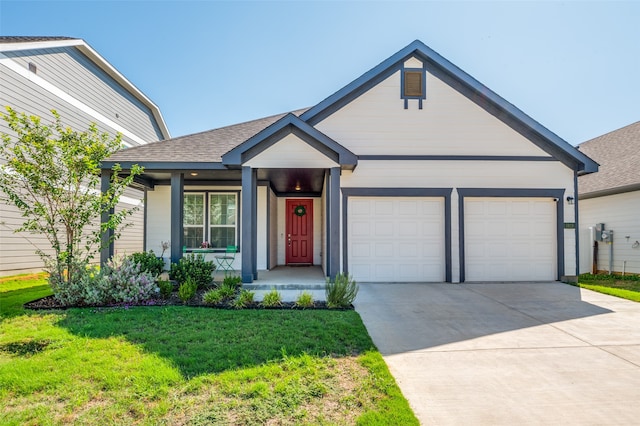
(52,175)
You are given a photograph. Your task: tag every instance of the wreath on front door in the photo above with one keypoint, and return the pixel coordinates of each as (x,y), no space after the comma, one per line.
(300,210)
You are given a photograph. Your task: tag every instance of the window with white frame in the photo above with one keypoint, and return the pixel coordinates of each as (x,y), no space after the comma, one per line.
(210,220)
(194,214)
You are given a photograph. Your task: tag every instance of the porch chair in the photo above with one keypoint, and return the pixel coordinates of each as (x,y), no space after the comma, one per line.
(225,261)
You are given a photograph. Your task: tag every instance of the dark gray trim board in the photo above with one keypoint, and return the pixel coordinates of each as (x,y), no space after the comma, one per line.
(455,158)
(333,231)
(576,220)
(106,239)
(399,192)
(557,194)
(177,216)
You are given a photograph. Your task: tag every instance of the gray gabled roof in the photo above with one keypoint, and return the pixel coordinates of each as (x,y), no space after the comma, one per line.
(28,39)
(203,147)
(618,154)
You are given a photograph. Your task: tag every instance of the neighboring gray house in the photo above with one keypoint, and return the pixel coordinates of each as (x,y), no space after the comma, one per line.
(612,197)
(415,171)
(38,74)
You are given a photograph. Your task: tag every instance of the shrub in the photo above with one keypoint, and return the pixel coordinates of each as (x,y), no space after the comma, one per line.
(341,292)
(244,299)
(119,281)
(213,297)
(272,299)
(85,288)
(304,300)
(149,262)
(187,290)
(166,288)
(125,283)
(232,280)
(194,267)
(227,290)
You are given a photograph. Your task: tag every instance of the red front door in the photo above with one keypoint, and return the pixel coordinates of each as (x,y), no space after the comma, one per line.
(299,231)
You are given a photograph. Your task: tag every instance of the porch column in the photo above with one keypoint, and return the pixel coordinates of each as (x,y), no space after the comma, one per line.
(248,224)
(177,215)
(254,223)
(106,243)
(334,223)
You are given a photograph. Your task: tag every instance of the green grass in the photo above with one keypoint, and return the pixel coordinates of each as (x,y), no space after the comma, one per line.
(626,287)
(177,365)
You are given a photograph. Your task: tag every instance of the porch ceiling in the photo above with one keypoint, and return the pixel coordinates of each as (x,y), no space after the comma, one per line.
(283,181)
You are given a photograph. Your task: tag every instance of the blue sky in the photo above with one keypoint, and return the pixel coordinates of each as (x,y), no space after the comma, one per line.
(572,66)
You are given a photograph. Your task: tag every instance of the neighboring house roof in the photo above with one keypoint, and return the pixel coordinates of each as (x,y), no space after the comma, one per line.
(19,43)
(210,146)
(618,154)
(203,147)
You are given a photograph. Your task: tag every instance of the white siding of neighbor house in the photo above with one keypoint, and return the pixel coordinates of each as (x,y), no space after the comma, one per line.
(132,237)
(376,123)
(70,71)
(620,213)
(291,152)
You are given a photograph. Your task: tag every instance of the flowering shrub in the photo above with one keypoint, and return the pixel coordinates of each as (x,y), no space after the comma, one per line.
(126,283)
(85,287)
(119,281)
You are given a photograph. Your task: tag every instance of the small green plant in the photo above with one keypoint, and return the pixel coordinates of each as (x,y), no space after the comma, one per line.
(272,299)
(244,299)
(166,288)
(187,290)
(194,267)
(232,280)
(227,290)
(341,292)
(213,297)
(148,261)
(304,300)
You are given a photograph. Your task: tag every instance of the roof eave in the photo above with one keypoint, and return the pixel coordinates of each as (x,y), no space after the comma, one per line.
(84,47)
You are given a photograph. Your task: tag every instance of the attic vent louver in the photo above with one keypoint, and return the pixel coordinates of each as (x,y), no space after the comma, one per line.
(33,68)
(413,85)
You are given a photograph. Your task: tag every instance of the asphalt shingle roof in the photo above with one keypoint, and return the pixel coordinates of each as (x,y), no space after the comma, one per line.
(206,147)
(618,154)
(29,39)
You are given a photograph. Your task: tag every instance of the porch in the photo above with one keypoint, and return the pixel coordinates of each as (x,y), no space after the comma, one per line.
(290,281)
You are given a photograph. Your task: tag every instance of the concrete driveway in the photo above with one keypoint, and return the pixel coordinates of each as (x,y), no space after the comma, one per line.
(522,353)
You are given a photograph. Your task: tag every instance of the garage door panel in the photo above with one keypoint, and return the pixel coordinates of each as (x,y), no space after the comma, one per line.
(406,242)
(510,239)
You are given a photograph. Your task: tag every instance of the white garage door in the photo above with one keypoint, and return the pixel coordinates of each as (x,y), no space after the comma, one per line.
(510,239)
(396,239)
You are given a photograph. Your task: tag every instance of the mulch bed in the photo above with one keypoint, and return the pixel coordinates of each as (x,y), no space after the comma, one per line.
(50,302)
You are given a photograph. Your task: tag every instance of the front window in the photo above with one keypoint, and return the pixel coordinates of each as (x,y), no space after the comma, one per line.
(193,220)
(222,220)
(210,220)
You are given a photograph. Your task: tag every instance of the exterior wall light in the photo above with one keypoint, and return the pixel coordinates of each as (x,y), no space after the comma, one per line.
(570,200)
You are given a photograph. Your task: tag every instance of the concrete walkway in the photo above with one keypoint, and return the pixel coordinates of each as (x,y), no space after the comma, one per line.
(506,354)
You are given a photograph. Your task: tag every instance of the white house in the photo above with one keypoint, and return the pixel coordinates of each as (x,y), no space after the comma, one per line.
(414,172)
(610,201)
(38,74)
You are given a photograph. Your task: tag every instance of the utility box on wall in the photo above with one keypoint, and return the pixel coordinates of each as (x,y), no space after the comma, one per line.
(599,231)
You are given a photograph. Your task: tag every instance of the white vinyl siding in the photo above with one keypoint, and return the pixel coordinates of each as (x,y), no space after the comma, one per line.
(510,239)
(92,86)
(376,123)
(619,213)
(396,239)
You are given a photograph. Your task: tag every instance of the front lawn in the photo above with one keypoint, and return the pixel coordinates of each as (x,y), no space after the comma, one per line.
(187,365)
(626,287)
